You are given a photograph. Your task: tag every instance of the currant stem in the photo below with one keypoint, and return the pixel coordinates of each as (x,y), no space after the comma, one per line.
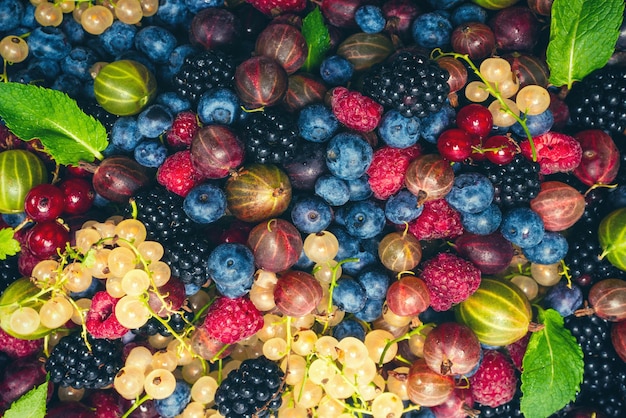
(138,402)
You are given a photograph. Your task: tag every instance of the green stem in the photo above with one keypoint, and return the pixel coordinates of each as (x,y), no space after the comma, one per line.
(138,402)
(333,284)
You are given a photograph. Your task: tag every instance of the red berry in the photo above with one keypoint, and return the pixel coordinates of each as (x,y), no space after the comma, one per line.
(500,149)
(455,144)
(354,110)
(44,202)
(232,320)
(495,382)
(101,321)
(475,119)
(183,129)
(79,195)
(46,237)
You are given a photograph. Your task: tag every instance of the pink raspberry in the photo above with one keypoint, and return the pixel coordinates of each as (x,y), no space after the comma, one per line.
(183,129)
(232,320)
(495,382)
(556,152)
(276,7)
(437,221)
(101,321)
(388,168)
(354,110)
(18,348)
(177,173)
(450,280)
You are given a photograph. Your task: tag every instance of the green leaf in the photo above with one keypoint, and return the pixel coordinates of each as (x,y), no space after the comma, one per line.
(583,34)
(8,245)
(552,369)
(317,39)
(67,133)
(30,405)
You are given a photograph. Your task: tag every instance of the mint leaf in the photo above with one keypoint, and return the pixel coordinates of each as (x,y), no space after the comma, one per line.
(8,245)
(66,132)
(317,39)
(30,405)
(552,369)
(583,34)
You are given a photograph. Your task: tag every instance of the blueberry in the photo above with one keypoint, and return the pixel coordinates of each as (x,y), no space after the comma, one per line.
(89,292)
(431,30)
(311,214)
(398,131)
(317,123)
(363,260)
(470,193)
(336,70)
(371,311)
(174,404)
(74,31)
(172,12)
(348,245)
(28,16)
(364,219)
(332,189)
(156,42)
(150,153)
(219,105)
(79,62)
(118,38)
(231,265)
(68,84)
(349,328)
(402,207)
(48,43)
(370,19)
(154,120)
(125,133)
(304,262)
(551,249)
(536,124)
(468,12)
(195,6)
(49,69)
(13,219)
(348,155)
(349,295)
(523,227)
(359,188)
(176,60)
(444,4)
(563,298)
(173,101)
(205,203)
(484,222)
(375,281)
(11,13)
(434,124)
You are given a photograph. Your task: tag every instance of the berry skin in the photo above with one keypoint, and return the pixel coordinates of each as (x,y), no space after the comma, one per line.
(437,221)
(232,320)
(276,7)
(475,119)
(219,105)
(101,321)
(177,173)
(556,152)
(399,131)
(450,280)
(354,110)
(105,404)
(44,202)
(183,129)
(18,348)
(495,382)
(388,168)
(348,155)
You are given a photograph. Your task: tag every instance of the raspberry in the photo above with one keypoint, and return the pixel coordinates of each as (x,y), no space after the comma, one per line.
(101,321)
(18,348)
(438,221)
(276,7)
(388,168)
(177,173)
(232,320)
(354,110)
(450,280)
(556,152)
(183,129)
(495,382)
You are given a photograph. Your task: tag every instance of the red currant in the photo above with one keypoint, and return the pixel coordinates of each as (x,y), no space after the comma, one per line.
(45,237)
(455,145)
(44,202)
(79,195)
(475,119)
(500,149)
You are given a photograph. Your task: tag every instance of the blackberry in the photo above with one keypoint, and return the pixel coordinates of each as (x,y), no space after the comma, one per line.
(199,73)
(270,136)
(408,82)
(252,390)
(71,363)
(510,409)
(9,272)
(515,183)
(162,213)
(583,259)
(94,109)
(186,255)
(599,100)
(177,321)
(592,333)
